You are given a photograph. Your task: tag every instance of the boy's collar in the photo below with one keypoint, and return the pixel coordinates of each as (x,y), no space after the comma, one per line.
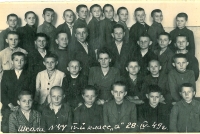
(185,103)
(74,76)
(141,23)
(11,29)
(47,23)
(25,111)
(181,28)
(12,49)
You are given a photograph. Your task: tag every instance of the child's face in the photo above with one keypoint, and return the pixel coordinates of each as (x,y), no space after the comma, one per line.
(89,97)
(123,15)
(30,19)
(74,67)
(181,43)
(56,97)
(12,21)
(18,62)
(187,93)
(180,64)
(181,22)
(144,43)
(62,40)
(104,60)
(133,68)
(50,63)
(119,93)
(41,42)
(96,12)
(154,98)
(163,41)
(48,16)
(158,17)
(108,12)
(83,12)
(12,40)
(81,34)
(69,17)
(154,67)
(140,16)
(118,34)
(25,102)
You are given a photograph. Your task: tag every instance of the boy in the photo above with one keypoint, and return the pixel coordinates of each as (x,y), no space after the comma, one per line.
(119,112)
(122,12)
(12,21)
(27,33)
(181,20)
(155,78)
(106,25)
(185,114)
(67,27)
(156,28)
(133,81)
(73,83)
(153,113)
(181,44)
(25,117)
(143,53)
(12,82)
(89,113)
(104,76)
(94,26)
(56,116)
(119,48)
(179,76)
(139,28)
(5,55)
(62,51)
(48,28)
(164,53)
(47,79)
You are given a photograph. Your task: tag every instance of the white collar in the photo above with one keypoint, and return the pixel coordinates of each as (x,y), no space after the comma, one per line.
(74,76)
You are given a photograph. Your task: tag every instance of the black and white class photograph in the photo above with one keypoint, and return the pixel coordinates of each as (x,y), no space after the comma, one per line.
(100,66)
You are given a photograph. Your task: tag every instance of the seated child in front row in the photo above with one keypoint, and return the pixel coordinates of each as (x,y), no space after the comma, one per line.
(179,75)
(185,115)
(47,79)
(118,113)
(89,113)
(153,113)
(181,44)
(73,84)
(56,113)
(25,117)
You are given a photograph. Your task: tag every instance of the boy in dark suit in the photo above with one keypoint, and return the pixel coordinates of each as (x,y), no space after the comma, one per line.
(25,119)
(181,20)
(139,28)
(12,21)
(106,25)
(119,112)
(12,82)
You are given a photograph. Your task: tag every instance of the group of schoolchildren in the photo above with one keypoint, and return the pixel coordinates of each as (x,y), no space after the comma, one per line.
(100,76)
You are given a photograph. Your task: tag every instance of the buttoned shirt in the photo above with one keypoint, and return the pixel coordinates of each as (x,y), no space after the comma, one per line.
(18,73)
(26,114)
(119,46)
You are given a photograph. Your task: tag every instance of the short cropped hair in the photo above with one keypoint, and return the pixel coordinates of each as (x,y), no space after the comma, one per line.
(107,5)
(12,32)
(166,34)
(182,35)
(119,83)
(104,50)
(138,9)
(155,11)
(154,88)
(144,35)
(12,15)
(121,8)
(179,56)
(41,35)
(79,7)
(186,85)
(70,11)
(24,92)
(47,9)
(117,26)
(57,87)
(18,54)
(182,15)
(81,26)
(51,55)
(132,60)
(74,60)
(95,5)
(57,34)
(90,87)
(153,60)
(29,12)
